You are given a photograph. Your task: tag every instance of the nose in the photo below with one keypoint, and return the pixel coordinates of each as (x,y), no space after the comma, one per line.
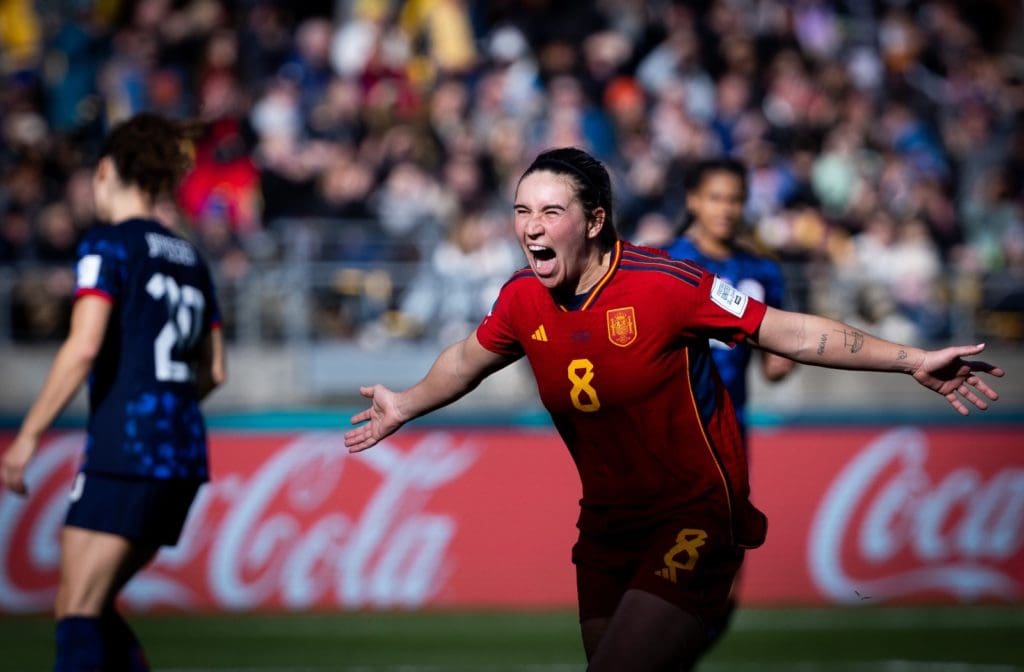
(532,226)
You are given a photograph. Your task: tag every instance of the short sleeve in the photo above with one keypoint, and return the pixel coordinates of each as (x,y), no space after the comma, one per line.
(496,332)
(722,312)
(100,268)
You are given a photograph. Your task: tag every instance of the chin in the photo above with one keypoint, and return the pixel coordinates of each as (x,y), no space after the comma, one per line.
(551,282)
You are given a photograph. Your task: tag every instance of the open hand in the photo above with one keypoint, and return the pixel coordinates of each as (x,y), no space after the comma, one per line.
(946,372)
(383,419)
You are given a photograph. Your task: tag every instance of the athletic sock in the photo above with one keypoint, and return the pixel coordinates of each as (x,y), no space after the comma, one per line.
(80,646)
(123,648)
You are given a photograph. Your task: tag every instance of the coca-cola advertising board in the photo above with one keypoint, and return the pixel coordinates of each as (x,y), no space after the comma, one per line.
(486,518)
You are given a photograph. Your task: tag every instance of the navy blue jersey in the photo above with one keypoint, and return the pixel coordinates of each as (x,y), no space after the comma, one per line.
(144,417)
(757,277)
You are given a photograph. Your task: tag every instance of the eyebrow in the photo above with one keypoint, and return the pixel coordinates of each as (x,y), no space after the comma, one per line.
(561,206)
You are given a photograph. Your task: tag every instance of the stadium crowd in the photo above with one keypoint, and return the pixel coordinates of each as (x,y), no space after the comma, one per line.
(378,140)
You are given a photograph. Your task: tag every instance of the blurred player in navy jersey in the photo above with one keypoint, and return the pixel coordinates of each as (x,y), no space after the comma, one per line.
(145,331)
(617,338)
(715,198)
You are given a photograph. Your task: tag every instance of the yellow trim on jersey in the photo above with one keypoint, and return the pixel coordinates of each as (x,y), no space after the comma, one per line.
(596,289)
(707,443)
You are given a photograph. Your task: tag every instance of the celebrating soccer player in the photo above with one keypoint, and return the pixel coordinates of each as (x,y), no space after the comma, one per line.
(617,338)
(145,326)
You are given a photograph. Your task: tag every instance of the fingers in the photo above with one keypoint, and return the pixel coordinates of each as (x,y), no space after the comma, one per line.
(985,367)
(359,439)
(983,387)
(14,479)
(361,416)
(968,350)
(957,405)
(968,394)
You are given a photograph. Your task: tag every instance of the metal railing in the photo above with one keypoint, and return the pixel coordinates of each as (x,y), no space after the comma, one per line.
(295,297)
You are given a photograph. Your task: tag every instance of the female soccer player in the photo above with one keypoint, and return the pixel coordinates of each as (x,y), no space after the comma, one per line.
(617,337)
(713,238)
(144,327)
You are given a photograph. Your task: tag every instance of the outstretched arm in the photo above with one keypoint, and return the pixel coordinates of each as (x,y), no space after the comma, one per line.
(70,367)
(823,342)
(457,370)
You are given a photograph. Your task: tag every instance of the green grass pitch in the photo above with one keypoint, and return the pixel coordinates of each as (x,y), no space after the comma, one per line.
(946,639)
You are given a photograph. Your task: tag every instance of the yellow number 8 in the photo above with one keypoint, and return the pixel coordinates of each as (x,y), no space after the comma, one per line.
(581,386)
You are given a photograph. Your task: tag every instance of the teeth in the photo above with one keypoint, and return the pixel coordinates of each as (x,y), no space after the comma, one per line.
(536,248)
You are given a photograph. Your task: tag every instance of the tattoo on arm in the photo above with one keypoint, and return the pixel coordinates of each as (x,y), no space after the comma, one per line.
(852,340)
(902,356)
(821,344)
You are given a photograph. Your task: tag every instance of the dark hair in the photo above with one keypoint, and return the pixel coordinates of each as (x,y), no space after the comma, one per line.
(149,152)
(700,172)
(708,167)
(593,184)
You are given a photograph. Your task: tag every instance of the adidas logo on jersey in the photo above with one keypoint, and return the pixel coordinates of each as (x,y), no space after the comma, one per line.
(540,334)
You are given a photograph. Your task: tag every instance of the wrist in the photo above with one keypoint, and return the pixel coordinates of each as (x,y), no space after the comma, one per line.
(28,436)
(910,360)
(402,413)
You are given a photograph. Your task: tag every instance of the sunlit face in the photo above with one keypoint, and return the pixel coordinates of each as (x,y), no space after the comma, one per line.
(717,205)
(559,241)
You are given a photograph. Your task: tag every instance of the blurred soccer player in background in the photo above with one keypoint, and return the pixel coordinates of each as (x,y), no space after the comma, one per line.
(713,237)
(617,338)
(145,331)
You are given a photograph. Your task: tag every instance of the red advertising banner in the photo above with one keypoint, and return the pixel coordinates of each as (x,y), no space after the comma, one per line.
(474,518)
(893,515)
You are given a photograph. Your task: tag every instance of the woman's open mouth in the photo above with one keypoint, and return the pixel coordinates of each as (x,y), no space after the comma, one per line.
(543,259)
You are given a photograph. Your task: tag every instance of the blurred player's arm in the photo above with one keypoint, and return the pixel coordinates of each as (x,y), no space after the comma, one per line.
(211,367)
(775,368)
(456,371)
(70,367)
(820,341)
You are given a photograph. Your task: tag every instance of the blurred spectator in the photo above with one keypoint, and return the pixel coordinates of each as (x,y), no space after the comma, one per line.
(345,137)
(224,178)
(460,281)
(57,237)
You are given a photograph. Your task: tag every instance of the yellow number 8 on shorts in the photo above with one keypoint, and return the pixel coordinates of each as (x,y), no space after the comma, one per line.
(684,554)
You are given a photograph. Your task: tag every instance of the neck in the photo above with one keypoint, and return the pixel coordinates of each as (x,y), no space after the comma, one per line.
(711,246)
(130,204)
(595,271)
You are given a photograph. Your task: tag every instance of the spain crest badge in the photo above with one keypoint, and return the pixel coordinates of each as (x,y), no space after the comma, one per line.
(622,326)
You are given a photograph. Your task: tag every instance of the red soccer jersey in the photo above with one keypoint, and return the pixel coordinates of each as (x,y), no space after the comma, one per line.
(631,387)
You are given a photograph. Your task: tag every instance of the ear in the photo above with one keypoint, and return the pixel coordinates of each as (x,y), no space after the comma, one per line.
(595,223)
(105,168)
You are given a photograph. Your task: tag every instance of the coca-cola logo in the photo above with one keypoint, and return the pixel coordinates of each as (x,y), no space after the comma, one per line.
(279,535)
(888,528)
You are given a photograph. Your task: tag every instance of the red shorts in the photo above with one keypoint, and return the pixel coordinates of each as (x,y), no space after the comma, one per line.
(687,562)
